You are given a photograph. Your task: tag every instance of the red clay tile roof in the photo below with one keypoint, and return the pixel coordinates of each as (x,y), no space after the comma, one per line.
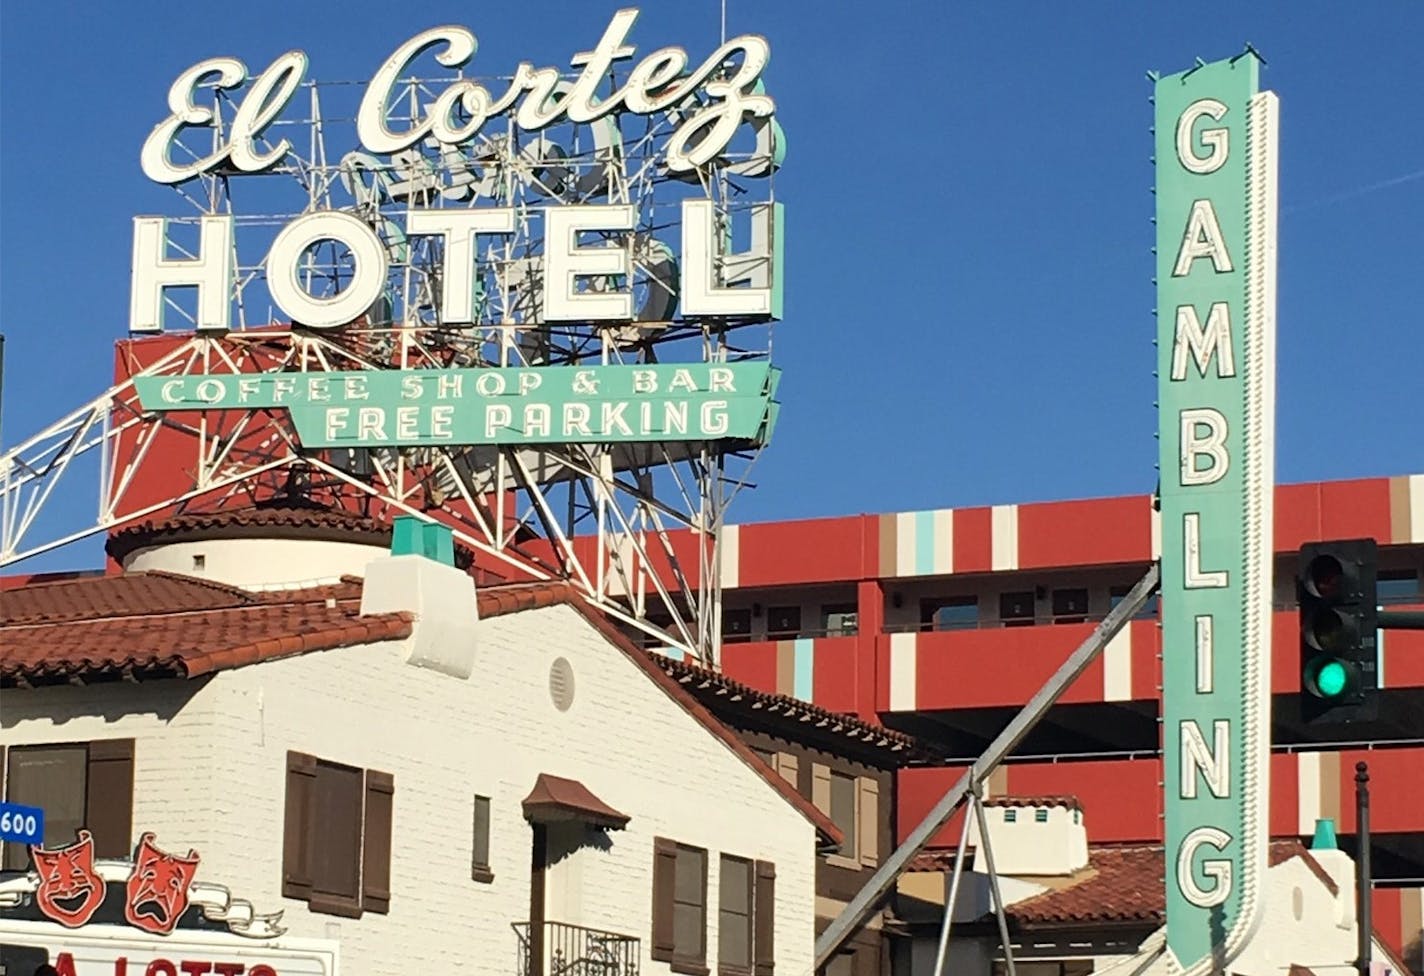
(731,698)
(179,641)
(183,645)
(265,520)
(1121,884)
(95,597)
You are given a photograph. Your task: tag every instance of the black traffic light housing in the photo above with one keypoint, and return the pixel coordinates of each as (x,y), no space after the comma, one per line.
(1336,586)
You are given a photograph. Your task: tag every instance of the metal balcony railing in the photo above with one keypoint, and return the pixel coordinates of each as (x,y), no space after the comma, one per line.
(559,949)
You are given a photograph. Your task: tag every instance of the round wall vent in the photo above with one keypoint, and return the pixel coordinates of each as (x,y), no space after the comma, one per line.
(561,683)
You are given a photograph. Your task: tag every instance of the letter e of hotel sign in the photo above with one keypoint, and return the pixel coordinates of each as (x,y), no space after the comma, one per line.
(1216,296)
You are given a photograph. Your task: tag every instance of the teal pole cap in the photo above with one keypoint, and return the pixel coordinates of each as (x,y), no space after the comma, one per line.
(1324,839)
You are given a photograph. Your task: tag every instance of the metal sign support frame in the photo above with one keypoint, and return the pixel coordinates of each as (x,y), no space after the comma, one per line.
(873,893)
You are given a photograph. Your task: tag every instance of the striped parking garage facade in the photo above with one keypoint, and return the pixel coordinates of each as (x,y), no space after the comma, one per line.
(1039,535)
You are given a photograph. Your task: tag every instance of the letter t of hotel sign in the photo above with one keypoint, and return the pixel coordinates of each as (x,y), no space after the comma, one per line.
(1216,294)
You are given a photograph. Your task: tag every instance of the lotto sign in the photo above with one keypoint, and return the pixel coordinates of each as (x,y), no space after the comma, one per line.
(108,950)
(1216,256)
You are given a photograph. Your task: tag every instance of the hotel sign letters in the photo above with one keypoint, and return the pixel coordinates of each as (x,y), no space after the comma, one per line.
(439,170)
(1216,206)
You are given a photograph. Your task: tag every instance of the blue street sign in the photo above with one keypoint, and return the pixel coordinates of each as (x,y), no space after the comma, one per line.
(21,824)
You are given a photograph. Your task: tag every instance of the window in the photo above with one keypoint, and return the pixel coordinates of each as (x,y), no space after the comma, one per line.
(1016,609)
(1040,815)
(1397,586)
(746,917)
(1070,606)
(843,810)
(78,784)
(1011,816)
(950,613)
(480,853)
(680,906)
(840,620)
(853,805)
(336,848)
(734,916)
(783,622)
(788,767)
(736,626)
(1149,609)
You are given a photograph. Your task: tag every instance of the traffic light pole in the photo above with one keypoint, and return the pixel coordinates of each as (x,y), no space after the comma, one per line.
(1401,620)
(1363,880)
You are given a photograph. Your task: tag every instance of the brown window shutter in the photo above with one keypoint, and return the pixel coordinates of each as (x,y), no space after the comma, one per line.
(764,928)
(867,819)
(664,870)
(334,844)
(821,787)
(296,834)
(787,766)
(376,842)
(108,805)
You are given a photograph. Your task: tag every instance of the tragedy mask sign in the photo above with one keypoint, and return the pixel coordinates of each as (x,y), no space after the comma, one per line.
(157,890)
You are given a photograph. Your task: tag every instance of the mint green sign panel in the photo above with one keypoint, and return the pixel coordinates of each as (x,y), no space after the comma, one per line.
(727,402)
(1215,141)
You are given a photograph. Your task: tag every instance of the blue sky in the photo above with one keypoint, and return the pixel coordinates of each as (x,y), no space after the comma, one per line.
(967,185)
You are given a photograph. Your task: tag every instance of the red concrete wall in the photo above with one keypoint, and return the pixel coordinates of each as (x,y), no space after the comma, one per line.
(1100,786)
(812,551)
(1079,533)
(999,666)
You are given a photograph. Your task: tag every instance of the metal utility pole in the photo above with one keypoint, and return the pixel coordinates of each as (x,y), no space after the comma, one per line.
(883,881)
(1364,883)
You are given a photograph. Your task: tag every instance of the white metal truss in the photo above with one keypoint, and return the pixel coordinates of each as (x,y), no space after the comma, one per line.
(599,516)
(491,497)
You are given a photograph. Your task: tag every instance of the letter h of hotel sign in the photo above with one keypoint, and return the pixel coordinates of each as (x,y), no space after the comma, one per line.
(1215,142)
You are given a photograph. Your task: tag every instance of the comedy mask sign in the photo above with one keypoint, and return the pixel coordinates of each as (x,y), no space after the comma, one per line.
(472,202)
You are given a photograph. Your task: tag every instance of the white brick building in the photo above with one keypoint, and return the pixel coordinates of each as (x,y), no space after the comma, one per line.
(392,782)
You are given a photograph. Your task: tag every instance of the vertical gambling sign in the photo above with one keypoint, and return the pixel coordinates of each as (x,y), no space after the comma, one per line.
(1215,157)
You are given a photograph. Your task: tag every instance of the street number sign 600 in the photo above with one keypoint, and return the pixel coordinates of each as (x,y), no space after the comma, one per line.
(21,824)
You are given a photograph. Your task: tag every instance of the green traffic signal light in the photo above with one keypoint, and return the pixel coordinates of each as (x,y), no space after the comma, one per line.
(1331,679)
(1336,589)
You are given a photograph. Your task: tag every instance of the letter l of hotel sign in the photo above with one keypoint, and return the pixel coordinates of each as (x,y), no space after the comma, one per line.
(1216,294)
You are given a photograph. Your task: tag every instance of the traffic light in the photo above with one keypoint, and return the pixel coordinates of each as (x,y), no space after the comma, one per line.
(1338,631)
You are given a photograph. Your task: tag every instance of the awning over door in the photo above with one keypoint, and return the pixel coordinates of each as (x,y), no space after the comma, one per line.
(558,800)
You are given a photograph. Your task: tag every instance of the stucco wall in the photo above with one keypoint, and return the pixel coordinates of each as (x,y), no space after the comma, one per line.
(210,769)
(258,563)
